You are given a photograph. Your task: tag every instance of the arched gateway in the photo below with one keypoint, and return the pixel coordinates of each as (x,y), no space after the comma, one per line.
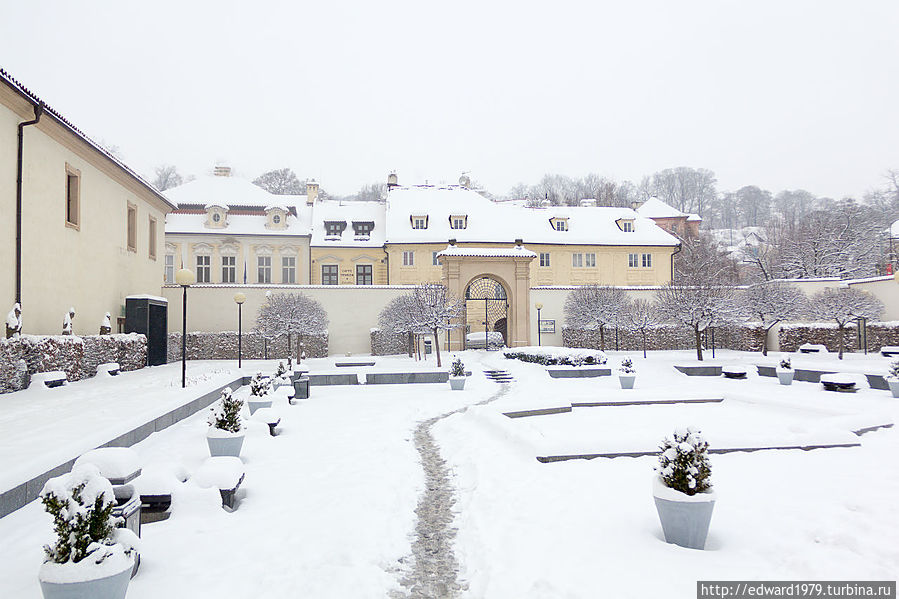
(495,283)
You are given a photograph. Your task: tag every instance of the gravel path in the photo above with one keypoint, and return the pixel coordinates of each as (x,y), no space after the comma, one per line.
(434,570)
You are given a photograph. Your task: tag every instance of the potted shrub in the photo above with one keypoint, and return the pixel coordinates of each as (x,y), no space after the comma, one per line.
(91,557)
(457,375)
(260,387)
(682,489)
(627,374)
(226,431)
(281,377)
(893,378)
(784,370)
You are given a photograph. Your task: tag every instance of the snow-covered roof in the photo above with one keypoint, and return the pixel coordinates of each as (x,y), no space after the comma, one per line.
(656,208)
(515,252)
(693,218)
(246,204)
(348,212)
(488,221)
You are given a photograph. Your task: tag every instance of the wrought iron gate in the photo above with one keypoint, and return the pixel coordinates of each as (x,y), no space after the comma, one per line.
(487,305)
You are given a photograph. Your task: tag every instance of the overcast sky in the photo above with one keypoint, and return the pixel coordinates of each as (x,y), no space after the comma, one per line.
(783,94)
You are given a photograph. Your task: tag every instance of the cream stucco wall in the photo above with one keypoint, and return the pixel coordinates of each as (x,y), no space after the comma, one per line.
(346,259)
(90,267)
(246,249)
(352,311)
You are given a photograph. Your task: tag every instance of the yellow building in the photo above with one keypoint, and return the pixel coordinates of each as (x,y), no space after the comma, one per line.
(81,229)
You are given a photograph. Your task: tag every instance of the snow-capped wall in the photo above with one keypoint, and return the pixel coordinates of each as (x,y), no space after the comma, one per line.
(78,357)
(223,346)
(879,334)
(745,338)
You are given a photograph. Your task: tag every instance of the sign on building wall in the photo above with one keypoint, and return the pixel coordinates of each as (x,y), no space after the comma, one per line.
(547,326)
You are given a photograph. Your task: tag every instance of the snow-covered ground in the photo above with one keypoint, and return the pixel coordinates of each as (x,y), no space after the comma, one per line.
(327,507)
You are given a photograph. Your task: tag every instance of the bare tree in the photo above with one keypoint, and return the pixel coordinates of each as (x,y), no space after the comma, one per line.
(640,316)
(687,189)
(166,177)
(701,261)
(370,193)
(843,305)
(773,302)
(594,307)
(398,317)
(291,314)
(280,182)
(698,307)
(435,309)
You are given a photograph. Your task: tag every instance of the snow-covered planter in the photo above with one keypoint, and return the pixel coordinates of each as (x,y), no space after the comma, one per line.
(552,356)
(91,557)
(226,431)
(682,489)
(281,377)
(893,378)
(260,387)
(627,374)
(784,370)
(457,375)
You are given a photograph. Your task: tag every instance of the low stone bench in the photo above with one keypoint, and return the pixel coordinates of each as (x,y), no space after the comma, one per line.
(812,348)
(403,378)
(109,368)
(351,363)
(700,370)
(767,370)
(877,381)
(270,417)
(50,379)
(578,372)
(809,376)
(841,382)
(733,372)
(333,379)
(889,350)
(225,473)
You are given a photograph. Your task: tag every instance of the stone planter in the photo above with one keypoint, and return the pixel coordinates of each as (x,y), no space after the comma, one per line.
(457,383)
(894,387)
(113,585)
(627,380)
(223,443)
(785,377)
(685,518)
(255,402)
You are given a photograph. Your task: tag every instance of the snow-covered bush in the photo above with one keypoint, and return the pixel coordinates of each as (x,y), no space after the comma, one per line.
(81,504)
(259,385)
(552,356)
(225,415)
(684,462)
(281,371)
(893,371)
(458,368)
(627,366)
(785,363)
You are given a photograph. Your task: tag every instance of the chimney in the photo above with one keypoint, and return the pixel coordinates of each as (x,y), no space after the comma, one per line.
(392,181)
(311,191)
(221,171)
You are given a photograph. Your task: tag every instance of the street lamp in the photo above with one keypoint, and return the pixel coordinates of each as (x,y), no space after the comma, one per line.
(184,277)
(539,307)
(240,298)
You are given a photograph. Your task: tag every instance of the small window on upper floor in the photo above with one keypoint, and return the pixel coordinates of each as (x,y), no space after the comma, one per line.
(559,224)
(419,222)
(73,197)
(625,224)
(459,221)
(334,228)
(131,227)
(363,228)
(152,239)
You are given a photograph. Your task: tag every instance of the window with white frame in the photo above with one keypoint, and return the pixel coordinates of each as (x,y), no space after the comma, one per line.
(288,270)
(329,274)
(458,222)
(264,269)
(632,260)
(170,269)
(419,222)
(647,260)
(577,260)
(434,260)
(544,258)
(590,260)
(229,269)
(408,258)
(203,269)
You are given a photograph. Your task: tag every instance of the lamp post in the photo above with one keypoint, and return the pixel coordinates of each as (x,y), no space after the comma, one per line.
(184,277)
(539,307)
(240,298)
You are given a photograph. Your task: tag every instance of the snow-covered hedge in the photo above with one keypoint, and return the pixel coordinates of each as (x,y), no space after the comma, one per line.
(550,356)
(223,346)
(384,343)
(825,333)
(746,337)
(684,462)
(78,357)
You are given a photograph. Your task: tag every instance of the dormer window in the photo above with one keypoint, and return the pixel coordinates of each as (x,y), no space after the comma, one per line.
(559,224)
(363,228)
(625,224)
(334,228)
(419,222)
(216,216)
(276,217)
(458,221)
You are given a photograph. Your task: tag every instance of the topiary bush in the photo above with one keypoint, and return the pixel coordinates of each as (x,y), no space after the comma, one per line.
(259,385)
(627,366)
(785,363)
(458,368)
(684,462)
(893,370)
(225,415)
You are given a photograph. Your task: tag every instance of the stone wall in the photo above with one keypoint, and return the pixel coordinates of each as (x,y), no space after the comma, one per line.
(78,357)
(879,334)
(387,344)
(746,338)
(223,346)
